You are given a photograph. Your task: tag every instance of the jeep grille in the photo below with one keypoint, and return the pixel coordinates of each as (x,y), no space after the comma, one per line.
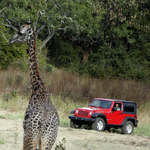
(83,113)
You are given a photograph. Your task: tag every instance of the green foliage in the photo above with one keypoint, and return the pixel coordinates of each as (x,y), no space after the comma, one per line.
(68,53)
(49,68)
(2,116)
(142,130)
(61,145)
(9,53)
(115,37)
(112,63)
(2,141)
(9,96)
(21,63)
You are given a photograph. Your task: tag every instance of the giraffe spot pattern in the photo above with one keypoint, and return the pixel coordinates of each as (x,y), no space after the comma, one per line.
(41,118)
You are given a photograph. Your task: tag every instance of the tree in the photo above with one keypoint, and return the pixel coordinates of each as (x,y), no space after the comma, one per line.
(110,32)
(87,28)
(82,19)
(124,51)
(48,16)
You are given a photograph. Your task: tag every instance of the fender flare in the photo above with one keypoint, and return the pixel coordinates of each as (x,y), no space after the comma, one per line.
(95,115)
(128,118)
(72,112)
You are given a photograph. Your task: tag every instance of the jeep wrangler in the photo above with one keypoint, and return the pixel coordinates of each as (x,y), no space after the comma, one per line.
(104,114)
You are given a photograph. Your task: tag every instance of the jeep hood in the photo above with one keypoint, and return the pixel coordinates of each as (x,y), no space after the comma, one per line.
(93,109)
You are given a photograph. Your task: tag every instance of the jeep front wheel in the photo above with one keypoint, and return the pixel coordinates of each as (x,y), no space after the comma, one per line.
(99,124)
(127,128)
(73,125)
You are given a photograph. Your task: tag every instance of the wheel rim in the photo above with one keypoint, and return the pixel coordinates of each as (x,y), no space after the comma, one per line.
(77,125)
(100,125)
(129,128)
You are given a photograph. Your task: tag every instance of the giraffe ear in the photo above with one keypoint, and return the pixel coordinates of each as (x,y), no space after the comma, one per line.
(28,22)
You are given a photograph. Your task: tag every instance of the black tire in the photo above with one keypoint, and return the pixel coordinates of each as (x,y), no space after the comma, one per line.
(73,125)
(99,124)
(127,128)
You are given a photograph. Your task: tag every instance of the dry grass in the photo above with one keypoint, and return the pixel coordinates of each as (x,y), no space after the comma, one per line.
(83,88)
(69,91)
(19,104)
(76,87)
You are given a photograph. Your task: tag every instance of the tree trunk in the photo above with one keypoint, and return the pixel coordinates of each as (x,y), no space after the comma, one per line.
(85,57)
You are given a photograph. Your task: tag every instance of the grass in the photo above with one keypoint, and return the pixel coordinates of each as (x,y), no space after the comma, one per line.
(2,141)
(78,88)
(14,104)
(70,91)
(64,106)
(142,130)
(61,145)
(19,105)
(144,121)
(2,117)
(16,117)
(86,143)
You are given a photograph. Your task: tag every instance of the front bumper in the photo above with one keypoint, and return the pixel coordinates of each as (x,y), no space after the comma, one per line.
(81,119)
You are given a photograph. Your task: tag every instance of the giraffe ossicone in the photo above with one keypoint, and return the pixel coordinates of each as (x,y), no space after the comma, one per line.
(41,118)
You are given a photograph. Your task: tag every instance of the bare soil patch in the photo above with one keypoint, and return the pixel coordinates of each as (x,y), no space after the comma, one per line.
(11,136)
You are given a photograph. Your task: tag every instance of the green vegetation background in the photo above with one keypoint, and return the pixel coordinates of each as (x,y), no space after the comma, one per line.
(103,39)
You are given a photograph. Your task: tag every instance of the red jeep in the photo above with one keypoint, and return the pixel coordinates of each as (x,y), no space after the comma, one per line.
(105,114)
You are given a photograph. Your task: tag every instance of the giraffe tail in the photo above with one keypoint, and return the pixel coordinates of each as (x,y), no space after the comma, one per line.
(38,145)
(43,128)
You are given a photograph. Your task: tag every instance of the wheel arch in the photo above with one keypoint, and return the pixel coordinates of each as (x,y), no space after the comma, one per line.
(128,119)
(72,112)
(97,115)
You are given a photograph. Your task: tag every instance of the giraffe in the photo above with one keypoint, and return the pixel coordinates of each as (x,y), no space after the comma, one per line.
(41,118)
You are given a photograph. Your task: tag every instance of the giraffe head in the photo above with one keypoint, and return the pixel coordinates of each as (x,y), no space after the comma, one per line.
(23,34)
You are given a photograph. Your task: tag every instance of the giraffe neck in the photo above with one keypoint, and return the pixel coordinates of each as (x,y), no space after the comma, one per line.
(34,68)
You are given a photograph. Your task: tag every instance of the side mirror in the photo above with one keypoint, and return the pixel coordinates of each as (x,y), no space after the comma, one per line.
(114,109)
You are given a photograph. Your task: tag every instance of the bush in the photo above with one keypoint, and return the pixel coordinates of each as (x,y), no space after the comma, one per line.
(11,95)
(61,145)
(22,64)
(49,68)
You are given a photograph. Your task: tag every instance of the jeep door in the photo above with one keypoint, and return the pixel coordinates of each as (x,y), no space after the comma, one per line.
(116,116)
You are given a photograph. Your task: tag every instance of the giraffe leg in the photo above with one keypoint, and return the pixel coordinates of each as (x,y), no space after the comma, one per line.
(31,142)
(48,140)
(46,144)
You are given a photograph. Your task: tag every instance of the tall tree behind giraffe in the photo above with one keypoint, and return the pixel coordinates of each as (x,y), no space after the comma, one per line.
(41,118)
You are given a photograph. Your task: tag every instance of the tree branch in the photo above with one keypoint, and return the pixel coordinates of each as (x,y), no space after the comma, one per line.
(113,2)
(41,28)
(49,31)
(4,37)
(40,14)
(55,4)
(3,9)
(10,25)
(48,38)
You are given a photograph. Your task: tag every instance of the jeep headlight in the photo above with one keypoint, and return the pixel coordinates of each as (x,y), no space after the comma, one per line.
(90,113)
(76,111)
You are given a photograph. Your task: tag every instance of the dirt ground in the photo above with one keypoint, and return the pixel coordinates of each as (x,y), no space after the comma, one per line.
(11,135)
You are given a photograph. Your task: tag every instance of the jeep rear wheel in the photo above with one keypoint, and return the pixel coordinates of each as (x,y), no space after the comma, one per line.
(73,125)
(127,128)
(99,124)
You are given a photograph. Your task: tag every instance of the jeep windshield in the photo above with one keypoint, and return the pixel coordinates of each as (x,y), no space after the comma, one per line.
(101,103)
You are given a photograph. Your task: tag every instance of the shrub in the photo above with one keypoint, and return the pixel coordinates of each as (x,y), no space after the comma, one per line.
(11,95)
(61,145)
